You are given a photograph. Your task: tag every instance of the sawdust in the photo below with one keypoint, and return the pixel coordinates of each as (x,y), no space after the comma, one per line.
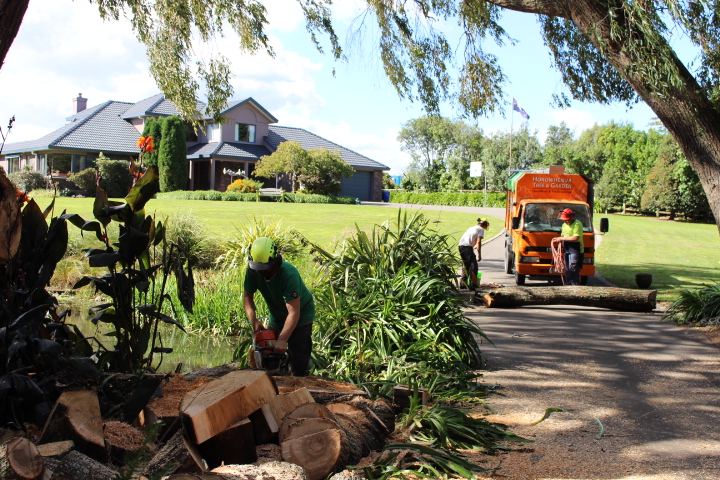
(123,436)
(173,392)
(314,383)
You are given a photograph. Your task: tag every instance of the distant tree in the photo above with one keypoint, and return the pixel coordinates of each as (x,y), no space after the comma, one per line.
(289,159)
(322,173)
(429,140)
(153,128)
(387,181)
(526,152)
(172,155)
(588,156)
(469,144)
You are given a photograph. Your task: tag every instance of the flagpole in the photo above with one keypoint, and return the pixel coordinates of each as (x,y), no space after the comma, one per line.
(512,111)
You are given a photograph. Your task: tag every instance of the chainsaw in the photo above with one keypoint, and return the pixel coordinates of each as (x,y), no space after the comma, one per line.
(263,353)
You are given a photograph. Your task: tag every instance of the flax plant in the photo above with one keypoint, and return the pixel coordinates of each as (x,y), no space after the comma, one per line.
(389,314)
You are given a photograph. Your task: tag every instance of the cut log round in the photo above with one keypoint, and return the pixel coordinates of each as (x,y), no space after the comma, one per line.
(622,299)
(266,471)
(309,410)
(20,459)
(319,453)
(300,427)
(55,449)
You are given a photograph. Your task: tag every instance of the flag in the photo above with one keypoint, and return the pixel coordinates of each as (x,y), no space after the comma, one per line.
(518,108)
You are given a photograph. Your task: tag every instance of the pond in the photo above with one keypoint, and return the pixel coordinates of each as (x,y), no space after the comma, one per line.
(193,351)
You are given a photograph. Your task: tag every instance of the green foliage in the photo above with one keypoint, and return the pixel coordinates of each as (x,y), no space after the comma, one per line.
(388,314)
(289,241)
(494,199)
(388,182)
(86,180)
(172,155)
(252,197)
(190,234)
(244,185)
(138,264)
(526,153)
(153,128)
(699,306)
(27,179)
(115,177)
(289,158)
(322,172)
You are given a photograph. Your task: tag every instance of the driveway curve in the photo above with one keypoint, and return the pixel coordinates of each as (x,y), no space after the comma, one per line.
(640,398)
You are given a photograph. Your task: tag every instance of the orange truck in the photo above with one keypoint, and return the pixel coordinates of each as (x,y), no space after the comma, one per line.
(534,202)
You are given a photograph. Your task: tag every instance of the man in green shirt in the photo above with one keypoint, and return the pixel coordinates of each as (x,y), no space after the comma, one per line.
(573,246)
(291,305)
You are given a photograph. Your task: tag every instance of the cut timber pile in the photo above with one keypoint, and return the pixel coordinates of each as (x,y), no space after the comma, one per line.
(223,419)
(622,299)
(237,424)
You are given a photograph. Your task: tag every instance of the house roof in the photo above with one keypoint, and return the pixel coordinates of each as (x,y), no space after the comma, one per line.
(228,150)
(96,129)
(307,140)
(105,128)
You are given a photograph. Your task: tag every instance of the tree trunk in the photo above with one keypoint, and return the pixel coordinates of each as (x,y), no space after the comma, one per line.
(622,299)
(20,460)
(11,16)
(683,107)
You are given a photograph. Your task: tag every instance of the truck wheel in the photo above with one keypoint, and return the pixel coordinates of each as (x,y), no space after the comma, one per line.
(583,280)
(519,279)
(509,262)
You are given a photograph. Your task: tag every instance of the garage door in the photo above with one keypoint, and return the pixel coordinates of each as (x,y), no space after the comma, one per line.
(358,186)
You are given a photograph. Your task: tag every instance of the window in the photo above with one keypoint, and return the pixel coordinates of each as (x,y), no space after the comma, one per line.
(190,133)
(213,132)
(13,164)
(41,164)
(60,163)
(244,133)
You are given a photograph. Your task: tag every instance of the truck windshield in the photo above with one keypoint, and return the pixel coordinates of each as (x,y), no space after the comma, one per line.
(543,217)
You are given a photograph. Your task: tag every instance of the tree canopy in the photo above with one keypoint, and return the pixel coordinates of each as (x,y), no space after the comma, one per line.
(605,51)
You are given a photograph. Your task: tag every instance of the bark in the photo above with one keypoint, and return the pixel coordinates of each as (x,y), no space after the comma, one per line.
(76,466)
(684,108)
(11,16)
(622,299)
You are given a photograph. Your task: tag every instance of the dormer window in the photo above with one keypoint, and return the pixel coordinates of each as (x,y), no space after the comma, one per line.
(244,133)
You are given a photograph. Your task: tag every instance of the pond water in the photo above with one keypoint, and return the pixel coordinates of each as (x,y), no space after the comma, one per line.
(193,351)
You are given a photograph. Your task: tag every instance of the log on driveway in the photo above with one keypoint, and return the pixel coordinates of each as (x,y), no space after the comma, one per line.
(622,299)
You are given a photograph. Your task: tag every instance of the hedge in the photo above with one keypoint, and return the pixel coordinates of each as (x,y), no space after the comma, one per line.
(252,197)
(494,199)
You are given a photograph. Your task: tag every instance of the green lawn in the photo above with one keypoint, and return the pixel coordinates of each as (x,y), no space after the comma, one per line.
(320,223)
(679,255)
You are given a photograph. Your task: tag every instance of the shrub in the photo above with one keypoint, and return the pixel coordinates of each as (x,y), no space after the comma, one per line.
(700,306)
(190,234)
(85,180)
(28,179)
(252,197)
(455,199)
(172,155)
(244,185)
(115,177)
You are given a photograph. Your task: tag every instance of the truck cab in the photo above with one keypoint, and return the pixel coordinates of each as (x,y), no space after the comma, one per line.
(534,203)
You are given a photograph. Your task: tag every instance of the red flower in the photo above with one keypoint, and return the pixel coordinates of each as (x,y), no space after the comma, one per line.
(22,197)
(146,144)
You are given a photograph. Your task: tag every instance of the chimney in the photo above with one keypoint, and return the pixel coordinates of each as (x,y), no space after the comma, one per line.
(79,104)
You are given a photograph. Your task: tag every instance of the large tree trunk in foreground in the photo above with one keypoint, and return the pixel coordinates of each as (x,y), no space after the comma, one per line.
(622,299)
(76,466)
(11,16)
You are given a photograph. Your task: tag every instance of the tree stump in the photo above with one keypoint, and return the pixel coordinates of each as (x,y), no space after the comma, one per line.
(20,460)
(76,416)
(622,299)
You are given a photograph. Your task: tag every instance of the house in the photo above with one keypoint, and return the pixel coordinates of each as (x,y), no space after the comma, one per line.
(217,154)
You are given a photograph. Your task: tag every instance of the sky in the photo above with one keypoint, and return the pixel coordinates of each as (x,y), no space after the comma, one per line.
(64,48)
